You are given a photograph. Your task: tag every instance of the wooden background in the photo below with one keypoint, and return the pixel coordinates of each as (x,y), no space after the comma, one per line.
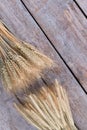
(58,28)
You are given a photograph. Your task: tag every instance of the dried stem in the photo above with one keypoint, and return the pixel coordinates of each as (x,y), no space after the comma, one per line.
(48,109)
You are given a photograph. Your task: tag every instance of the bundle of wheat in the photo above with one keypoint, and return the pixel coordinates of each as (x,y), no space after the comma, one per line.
(20,65)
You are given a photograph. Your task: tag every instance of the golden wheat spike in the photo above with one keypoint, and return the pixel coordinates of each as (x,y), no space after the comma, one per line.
(48,109)
(21,63)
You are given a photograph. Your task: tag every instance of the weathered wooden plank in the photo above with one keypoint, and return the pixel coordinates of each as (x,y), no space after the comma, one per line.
(23,26)
(66,27)
(83,5)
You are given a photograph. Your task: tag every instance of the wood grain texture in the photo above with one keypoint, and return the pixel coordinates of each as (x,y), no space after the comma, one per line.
(83,5)
(66,27)
(14,14)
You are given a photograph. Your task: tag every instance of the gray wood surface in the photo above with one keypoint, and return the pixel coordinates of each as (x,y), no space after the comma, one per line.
(20,22)
(66,27)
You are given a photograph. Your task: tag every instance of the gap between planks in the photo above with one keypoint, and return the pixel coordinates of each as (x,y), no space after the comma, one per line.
(81,8)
